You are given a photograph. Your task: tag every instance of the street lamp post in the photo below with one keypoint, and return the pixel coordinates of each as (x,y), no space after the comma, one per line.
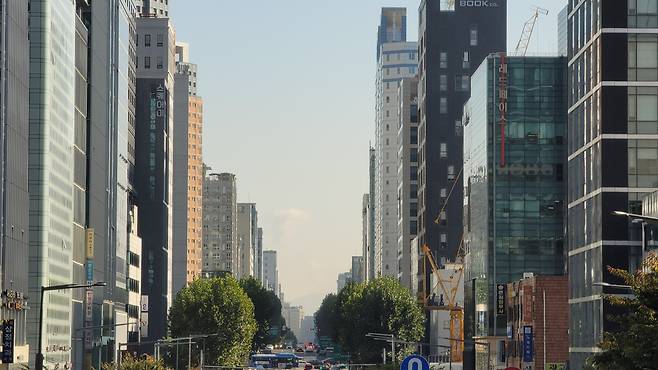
(44,289)
(646,220)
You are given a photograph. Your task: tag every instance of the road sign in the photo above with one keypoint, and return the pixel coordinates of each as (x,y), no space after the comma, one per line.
(415,362)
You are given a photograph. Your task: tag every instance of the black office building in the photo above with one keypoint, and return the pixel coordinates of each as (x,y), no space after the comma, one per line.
(613,152)
(454,37)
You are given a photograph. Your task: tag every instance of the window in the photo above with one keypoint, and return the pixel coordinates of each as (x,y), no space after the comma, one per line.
(147,62)
(443,150)
(647,55)
(443,82)
(444,193)
(158,62)
(388,57)
(388,99)
(451,172)
(388,113)
(443,105)
(458,128)
(447,5)
(443,60)
(462,83)
(466,62)
(147,40)
(474,35)
(159,39)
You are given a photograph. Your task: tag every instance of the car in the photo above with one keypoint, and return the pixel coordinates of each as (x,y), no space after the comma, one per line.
(288,347)
(299,350)
(308,366)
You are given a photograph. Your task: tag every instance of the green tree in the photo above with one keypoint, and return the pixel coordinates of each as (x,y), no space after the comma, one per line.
(325,317)
(130,362)
(635,344)
(267,311)
(219,307)
(380,306)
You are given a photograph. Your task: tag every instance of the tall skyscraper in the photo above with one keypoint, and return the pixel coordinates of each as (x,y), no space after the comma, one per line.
(343,279)
(188,172)
(357,269)
(154,128)
(562,42)
(220,224)
(270,272)
(107,139)
(397,59)
(407,172)
(50,173)
(612,152)
(258,260)
(374,260)
(365,241)
(514,184)
(247,238)
(14,231)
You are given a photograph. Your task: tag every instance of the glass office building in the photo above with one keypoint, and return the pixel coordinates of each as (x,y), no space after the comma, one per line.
(613,152)
(514,183)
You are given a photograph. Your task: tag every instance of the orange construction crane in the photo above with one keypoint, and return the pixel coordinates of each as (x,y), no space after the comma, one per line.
(448,283)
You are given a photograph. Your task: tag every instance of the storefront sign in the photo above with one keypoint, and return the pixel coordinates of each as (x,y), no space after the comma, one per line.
(500,299)
(528,350)
(8,341)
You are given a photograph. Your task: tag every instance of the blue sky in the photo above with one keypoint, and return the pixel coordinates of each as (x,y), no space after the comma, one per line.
(289,94)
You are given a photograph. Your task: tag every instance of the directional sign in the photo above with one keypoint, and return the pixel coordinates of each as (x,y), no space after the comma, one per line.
(415,362)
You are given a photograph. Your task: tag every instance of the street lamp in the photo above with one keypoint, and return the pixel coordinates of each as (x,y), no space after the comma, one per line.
(645,220)
(39,358)
(619,286)
(385,338)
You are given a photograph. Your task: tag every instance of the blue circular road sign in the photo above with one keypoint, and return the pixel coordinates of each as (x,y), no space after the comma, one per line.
(415,362)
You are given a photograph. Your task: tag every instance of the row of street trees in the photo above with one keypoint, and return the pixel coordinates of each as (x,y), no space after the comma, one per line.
(237,317)
(379,306)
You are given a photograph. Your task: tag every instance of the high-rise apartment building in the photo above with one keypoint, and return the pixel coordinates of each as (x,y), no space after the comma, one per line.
(154,129)
(50,173)
(152,8)
(374,260)
(134,306)
(293,316)
(270,272)
(365,241)
(407,179)
(220,224)
(397,59)
(258,260)
(247,238)
(343,279)
(514,185)
(612,153)
(187,172)
(357,269)
(14,231)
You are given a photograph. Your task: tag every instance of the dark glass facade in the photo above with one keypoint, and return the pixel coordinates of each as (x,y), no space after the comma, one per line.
(613,151)
(514,183)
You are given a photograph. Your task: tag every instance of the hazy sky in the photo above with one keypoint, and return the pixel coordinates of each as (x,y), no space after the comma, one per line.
(289,95)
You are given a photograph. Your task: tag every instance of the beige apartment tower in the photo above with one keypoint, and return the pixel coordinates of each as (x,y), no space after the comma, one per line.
(188,172)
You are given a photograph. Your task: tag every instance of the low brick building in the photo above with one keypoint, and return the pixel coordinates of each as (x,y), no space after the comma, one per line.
(526,301)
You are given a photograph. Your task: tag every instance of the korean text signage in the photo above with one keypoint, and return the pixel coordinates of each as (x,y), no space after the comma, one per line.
(500,299)
(502,104)
(157,114)
(527,344)
(7,341)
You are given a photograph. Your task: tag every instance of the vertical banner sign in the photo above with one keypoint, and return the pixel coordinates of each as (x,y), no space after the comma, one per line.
(90,243)
(89,292)
(502,104)
(500,299)
(7,341)
(527,344)
(144,317)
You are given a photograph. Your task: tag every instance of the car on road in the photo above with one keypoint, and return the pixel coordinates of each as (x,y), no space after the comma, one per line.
(299,350)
